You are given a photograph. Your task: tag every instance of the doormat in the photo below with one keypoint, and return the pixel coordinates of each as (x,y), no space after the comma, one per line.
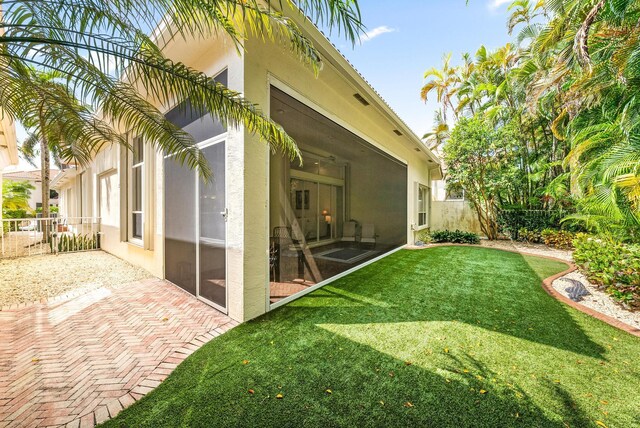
(345,255)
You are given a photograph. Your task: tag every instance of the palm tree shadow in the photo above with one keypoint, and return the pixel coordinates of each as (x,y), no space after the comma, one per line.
(368,388)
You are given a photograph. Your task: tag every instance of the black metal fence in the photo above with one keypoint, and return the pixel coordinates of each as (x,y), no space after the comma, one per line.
(511,221)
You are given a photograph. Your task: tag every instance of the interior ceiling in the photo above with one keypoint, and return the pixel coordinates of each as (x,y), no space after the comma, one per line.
(315,133)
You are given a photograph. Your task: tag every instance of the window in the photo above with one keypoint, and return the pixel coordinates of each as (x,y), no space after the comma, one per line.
(424,193)
(455,192)
(137,174)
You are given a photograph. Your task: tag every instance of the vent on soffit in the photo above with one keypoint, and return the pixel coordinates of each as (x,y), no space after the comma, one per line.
(395,131)
(361,99)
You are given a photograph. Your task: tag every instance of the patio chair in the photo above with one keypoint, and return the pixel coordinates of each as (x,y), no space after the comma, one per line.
(349,232)
(368,235)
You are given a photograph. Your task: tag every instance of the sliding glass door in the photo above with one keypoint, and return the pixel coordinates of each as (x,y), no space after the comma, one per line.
(318,208)
(195,228)
(195,211)
(212,235)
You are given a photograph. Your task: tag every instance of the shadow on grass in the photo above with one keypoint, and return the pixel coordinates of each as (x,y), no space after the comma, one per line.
(338,356)
(497,291)
(334,382)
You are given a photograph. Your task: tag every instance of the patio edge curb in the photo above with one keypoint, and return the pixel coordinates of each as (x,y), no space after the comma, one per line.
(548,287)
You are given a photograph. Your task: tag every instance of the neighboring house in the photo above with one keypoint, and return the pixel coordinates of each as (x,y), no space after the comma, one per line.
(266,230)
(34,177)
(8,147)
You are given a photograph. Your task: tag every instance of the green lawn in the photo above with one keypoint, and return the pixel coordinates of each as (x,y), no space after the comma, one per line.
(443,337)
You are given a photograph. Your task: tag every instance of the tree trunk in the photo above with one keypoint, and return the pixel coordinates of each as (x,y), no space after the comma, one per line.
(44,175)
(581,43)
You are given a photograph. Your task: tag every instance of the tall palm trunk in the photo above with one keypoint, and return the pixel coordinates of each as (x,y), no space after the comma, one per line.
(44,175)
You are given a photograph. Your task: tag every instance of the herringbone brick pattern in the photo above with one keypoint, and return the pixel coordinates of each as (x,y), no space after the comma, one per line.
(81,361)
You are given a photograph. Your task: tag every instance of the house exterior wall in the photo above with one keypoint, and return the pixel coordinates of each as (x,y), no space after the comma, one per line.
(247,161)
(213,56)
(331,94)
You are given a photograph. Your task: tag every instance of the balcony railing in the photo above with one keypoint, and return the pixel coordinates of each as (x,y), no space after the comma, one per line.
(37,236)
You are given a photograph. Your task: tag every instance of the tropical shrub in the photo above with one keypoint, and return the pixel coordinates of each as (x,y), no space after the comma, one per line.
(456,237)
(424,237)
(530,236)
(480,159)
(612,265)
(72,242)
(511,221)
(562,239)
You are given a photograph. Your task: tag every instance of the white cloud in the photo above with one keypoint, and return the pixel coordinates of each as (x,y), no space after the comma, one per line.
(378,31)
(494,4)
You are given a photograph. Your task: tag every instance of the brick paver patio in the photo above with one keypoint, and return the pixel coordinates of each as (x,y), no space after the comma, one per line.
(81,360)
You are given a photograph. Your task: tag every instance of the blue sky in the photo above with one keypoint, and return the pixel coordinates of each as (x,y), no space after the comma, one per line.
(410,36)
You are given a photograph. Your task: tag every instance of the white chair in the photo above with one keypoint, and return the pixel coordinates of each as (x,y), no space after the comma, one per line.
(349,232)
(368,234)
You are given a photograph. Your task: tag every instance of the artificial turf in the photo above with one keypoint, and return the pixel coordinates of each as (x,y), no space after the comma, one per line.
(442,337)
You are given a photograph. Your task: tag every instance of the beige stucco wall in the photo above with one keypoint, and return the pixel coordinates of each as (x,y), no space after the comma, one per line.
(451,214)
(454,215)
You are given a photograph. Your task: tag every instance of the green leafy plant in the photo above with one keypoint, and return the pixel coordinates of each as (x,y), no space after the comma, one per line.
(15,202)
(511,221)
(480,158)
(70,242)
(562,239)
(456,237)
(529,236)
(424,236)
(90,44)
(612,265)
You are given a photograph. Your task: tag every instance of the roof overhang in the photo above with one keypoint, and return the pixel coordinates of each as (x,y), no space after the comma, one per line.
(331,56)
(63,178)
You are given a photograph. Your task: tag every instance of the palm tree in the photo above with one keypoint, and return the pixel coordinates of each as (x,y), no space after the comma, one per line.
(57,124)
(105,54)
(439,134)
(522,12)
(444,81)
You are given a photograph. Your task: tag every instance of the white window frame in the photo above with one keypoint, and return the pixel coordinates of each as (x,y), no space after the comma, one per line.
(139,241)
(426,205)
